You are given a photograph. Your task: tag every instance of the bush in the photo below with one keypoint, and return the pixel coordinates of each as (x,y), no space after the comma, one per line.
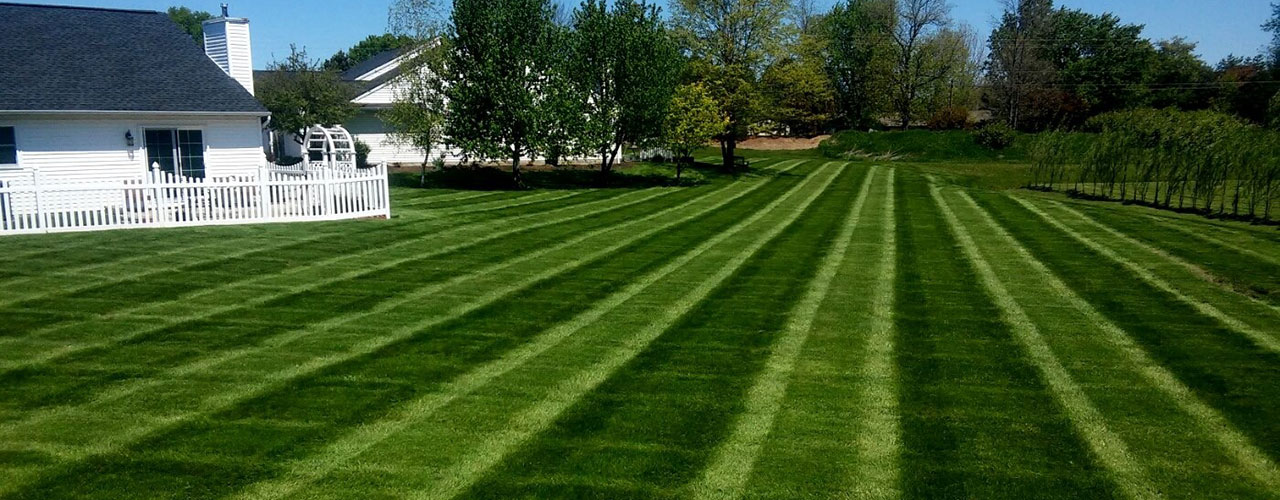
(950,118)
(362,154)
(996,136)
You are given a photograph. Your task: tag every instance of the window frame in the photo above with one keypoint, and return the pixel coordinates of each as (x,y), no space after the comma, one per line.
(17,151)
(179,167)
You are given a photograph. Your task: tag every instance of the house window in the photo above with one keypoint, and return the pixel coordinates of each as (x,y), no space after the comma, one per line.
(177,151)
(8,147)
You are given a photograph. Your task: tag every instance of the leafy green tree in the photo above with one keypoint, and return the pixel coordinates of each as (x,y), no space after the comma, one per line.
(1273,26)
(191,21)
(497,75)
(564,102)
(627,65)
(1016,71)
(926,50)
(735,38)
(416,117)
(857,58)
(1100,60)
(693,121)
(1245,87)
(366,49)
(1274,111)
(1179,78)
(799,96)
(299,94)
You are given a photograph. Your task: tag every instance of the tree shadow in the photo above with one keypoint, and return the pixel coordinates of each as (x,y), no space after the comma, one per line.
(627,176)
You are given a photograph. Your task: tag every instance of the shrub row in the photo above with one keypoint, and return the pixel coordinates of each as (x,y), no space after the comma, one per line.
(1203,161)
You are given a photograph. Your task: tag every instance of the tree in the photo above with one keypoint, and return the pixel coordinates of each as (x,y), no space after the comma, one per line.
(366,49)
(300,94)
(1179,78)
(694,119)
(736,38)
(857,60)
(925,52)
(1273,26)
(416,118)
(626,64)
(191,21)
(1015,69)
(799,96)
(1099,61)
(496,77)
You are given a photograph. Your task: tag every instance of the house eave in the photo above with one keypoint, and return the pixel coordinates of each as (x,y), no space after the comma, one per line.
(58,112)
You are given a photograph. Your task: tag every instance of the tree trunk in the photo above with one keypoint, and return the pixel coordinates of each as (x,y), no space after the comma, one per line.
(515,170)
(728,146)
(422,180)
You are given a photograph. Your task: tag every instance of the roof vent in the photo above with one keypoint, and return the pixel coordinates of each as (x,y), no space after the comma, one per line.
(224,10)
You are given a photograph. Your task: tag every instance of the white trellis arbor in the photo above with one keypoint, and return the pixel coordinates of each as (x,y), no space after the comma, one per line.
(329,147)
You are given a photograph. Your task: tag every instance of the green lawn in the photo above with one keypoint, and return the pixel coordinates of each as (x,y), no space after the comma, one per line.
(810,329)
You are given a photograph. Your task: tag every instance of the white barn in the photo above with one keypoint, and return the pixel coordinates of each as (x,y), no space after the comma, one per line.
(91,94)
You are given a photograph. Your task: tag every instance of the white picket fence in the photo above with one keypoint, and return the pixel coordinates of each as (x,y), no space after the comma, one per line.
(161,199)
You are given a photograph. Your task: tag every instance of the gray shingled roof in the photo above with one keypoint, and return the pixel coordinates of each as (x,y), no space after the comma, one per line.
(373,63)
(88,59)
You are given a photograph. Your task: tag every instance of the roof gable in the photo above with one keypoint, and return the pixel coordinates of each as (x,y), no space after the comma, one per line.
(89,59)
(366,70)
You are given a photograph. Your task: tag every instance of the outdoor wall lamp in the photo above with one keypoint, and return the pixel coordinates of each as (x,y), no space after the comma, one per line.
(128,137)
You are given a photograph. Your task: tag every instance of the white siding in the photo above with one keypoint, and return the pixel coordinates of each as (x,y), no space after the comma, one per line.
(369,129)
(383,95)
(92,149)
(227,43)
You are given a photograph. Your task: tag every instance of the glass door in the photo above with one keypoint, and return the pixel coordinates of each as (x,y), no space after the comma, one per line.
(179,152)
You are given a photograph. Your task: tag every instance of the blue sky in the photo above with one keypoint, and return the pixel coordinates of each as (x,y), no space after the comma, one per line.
(325,26)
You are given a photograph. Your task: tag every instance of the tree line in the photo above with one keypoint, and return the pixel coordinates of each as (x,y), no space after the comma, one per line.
(506,79)
(1206,162)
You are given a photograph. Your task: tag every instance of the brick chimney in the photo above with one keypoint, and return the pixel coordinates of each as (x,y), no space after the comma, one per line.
(226,41)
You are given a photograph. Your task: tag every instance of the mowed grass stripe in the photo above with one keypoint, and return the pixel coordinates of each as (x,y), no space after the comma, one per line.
(879,430)
(836,433)
(211,355)
(1108,447)
(40,297)
(1262,339)
(649,421)
(977,418)
(729,470)
(264,393)
(1193,279)
(1270,258)
(215,351)
(423,409)
(467,234)
(1231,378)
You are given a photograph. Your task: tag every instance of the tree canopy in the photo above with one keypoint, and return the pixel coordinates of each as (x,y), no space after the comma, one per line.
(365,50)
(191,21)
(299,94)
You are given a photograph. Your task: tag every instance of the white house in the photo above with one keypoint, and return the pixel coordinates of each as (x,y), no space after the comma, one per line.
(377,84)
(89,94)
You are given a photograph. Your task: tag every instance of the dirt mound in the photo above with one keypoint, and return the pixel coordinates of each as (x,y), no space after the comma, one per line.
(782,143)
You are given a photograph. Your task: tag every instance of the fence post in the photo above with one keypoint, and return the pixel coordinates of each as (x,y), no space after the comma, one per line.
(156,178)
(264,192)
(42,215)
(384,184)
(327,179)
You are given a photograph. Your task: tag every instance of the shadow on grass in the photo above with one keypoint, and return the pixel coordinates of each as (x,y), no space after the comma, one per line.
(626,176)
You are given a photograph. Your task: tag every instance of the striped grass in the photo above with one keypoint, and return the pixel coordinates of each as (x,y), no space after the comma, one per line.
(1227,400)
(416,412)
(727,475)
(475,234)
(1262,339)
(277,384)
(1108,447)
(666,407)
